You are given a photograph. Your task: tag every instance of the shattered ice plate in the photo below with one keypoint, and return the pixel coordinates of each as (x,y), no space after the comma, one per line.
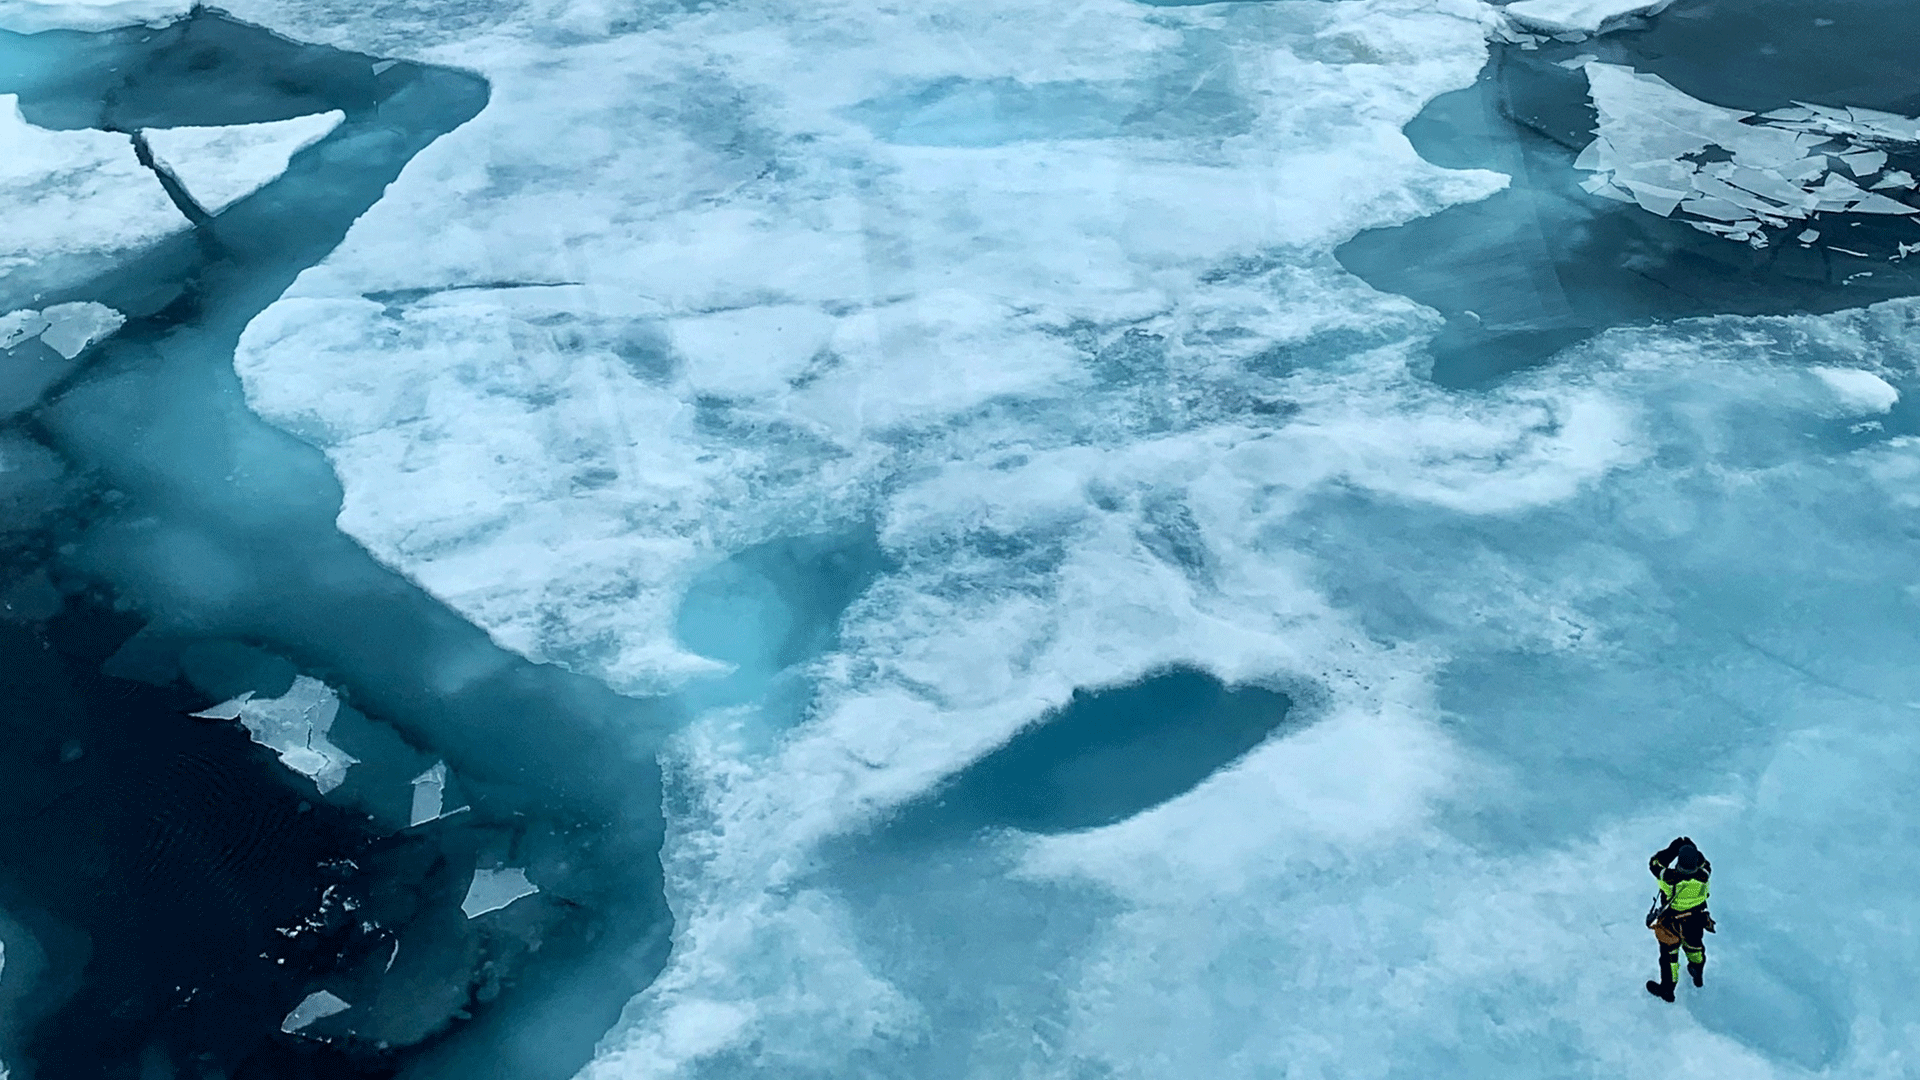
(295,726)
(219,166)
(316,1006)
(494,889)
(429,796)
(1731,173)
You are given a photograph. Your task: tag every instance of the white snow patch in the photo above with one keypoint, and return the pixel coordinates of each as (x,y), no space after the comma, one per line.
(494,889)
(295,726)
(1579,16)
(35,16)
(315,1006)
(71,202)
(1859,391)
(219,166)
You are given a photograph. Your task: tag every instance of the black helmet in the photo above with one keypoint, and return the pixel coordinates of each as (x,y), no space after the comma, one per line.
(1688,859)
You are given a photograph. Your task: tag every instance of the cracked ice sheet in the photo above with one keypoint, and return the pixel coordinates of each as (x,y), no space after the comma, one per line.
(561,442)
(71,202)
(219,166)
(35,16)
(294,726)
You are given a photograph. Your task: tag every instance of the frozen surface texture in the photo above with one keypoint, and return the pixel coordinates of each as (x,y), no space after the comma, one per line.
(34,16)
(294,726)
(1733,174)
(1042,302)
(1576,16)
(219,166)
(67,329)
(71,202)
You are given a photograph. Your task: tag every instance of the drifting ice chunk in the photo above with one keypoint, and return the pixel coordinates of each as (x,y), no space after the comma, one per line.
(429,796)
(1810,236)
(294,726)
(494,889)
(1858,390)
(1866,162)
(317,1006)
(219,166)
(1895,179)
(73,327)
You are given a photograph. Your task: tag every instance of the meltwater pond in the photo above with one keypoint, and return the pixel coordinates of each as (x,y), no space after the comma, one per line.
(178,895)
(1547,263)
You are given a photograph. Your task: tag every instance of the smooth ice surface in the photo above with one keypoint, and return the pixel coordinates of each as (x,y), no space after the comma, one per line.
(219,166)
(70,203)
(35,16)
(1560,16)
(294,726)
(429,793)
(315,1006)
(494,889)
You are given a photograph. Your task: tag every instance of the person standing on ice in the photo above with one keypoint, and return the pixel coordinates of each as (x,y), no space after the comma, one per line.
(1679,916)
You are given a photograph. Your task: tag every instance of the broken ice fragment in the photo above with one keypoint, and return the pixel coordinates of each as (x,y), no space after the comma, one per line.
(429,794)
(65,328)
(316,1006)
(1809,236)
(1894,179)
(1865,162)
(294,726)
(219,166)
(494,889)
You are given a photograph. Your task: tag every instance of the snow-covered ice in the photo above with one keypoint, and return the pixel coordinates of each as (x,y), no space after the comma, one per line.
(71,203)
(219,166)
(492,890)
(1579,16)
(294,726)
(315,1006)
(36,16)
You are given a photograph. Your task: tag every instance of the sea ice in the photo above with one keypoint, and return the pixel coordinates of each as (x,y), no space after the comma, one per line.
(71,202)
(36,16)
(295,726)
(67,329)
(315,1006)
(1652,137)
(1585,16)
(429,796)
(219,166)
(494,889)
(1861,391)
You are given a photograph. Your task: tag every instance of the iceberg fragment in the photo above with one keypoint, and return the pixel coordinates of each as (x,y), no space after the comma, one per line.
(494,889)
(295,726)
(67,329)
(219,166)
(315,1006)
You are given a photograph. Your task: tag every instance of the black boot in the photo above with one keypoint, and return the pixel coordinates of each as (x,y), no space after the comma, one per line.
(1698,971)
(1663,991)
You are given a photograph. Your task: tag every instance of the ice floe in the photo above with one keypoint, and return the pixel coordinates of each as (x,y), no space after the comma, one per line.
(1734,174)
(67,329)
(294,726)
(1580,16)
(36,16)
(429,796)
(219,166)
(315,1006)
(71,202)
(492,890)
